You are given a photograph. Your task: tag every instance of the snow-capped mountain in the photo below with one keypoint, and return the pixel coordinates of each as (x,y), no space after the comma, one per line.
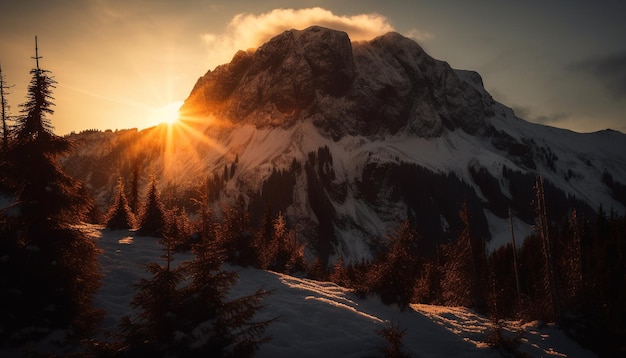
(349,139)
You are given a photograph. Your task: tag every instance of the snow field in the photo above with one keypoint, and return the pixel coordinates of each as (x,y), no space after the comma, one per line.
(322,319)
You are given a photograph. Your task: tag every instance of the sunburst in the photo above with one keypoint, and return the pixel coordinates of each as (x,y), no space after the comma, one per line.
(167,114)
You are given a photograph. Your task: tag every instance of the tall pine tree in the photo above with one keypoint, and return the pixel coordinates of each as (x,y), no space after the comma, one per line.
(153,221)
(120,216)
(5,111)
(50,271)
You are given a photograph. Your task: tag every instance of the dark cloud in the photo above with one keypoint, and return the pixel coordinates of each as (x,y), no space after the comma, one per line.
(528,114)
(610,70)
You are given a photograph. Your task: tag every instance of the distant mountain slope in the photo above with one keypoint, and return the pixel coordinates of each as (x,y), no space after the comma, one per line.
(349,139)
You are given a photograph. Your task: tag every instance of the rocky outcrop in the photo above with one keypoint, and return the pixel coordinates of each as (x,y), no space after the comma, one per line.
(369,88)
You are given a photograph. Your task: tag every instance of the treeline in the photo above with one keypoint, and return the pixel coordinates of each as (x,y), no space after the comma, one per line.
(573,272)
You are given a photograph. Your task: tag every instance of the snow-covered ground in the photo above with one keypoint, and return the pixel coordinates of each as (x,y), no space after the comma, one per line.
(321,319)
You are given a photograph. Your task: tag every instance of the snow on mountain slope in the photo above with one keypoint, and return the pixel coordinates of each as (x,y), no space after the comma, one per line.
(373,133)
(316,319)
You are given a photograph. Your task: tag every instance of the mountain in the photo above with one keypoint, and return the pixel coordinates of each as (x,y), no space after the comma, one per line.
(349,139)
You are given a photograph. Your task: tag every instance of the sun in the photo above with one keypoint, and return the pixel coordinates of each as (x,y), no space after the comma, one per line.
(167,114)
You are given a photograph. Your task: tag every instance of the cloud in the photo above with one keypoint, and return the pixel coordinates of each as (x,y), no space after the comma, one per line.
(552,119)
(419,36)
(610,70)
(250,31)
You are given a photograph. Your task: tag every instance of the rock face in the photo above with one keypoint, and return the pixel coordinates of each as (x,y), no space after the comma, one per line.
(367,88)
(349,139)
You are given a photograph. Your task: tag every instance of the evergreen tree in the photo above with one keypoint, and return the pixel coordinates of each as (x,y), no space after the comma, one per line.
(286,251)
(339,274)
(5,111)
(134,188)
(393,337)
(234,238)
(461,283)
(184,311)
(394,276)
(263,239)
(49,272)
(552,302)
(153,221)
(152,330)
(215,326)
(120,216)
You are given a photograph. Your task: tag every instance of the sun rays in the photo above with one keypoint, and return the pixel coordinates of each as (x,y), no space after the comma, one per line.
(167,114)
(186,145)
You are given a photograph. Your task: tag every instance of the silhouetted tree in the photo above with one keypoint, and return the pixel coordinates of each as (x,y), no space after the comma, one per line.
(120,216)
(134,188)
(216,326)
(5,111)
(153,221)
(552,302)
(394,275)
(461,281)
(393,337)
(154,328)
(234,238)
(49,271)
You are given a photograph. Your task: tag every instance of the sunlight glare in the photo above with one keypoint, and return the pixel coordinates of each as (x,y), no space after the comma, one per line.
(167,114)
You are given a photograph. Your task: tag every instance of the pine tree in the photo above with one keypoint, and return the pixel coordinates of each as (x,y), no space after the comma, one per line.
(394,276)
(153,221)
(134,188)
(552,301)
(184,311)
(263,240)
(120,216)
(461,275)
(152,331)
(50,271)
(217,327)
(5,111)
(234,238)
(286,251)
(393,337)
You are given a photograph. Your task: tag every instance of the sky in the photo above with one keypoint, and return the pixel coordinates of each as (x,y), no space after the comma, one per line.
(128,63)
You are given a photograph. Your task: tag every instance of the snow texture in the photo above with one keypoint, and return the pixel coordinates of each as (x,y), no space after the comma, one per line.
(317,319)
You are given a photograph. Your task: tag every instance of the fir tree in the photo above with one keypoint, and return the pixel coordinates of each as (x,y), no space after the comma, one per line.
(461,278)
(184,311)
(394,276)
(50,269)
(234,238)
(393,337)
(5,111)
(286,251)
(153,221)
(134,188)
(120,216)
(552,302)
(217,327)
(152,330)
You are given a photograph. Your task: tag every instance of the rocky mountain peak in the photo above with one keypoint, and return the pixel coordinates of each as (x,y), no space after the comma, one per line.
(385,85)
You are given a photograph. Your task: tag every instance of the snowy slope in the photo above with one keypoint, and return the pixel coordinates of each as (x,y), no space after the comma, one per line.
(317,319)
(375,105)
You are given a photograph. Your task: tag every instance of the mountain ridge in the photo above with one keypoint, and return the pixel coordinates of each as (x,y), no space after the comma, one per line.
(395,136)
(382,85)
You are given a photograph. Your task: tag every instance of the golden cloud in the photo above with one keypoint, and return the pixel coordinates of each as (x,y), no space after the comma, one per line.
(250,31)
